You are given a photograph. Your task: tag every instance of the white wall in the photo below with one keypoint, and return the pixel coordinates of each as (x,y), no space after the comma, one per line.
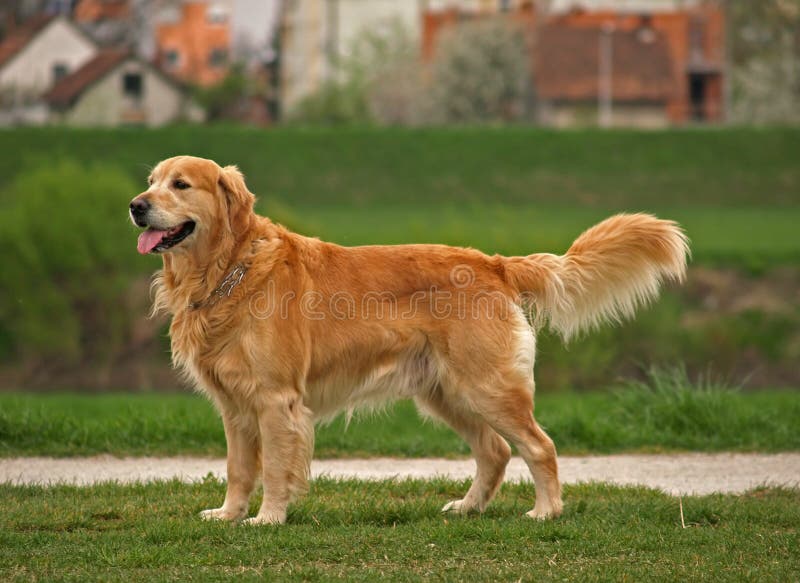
(623,5)
(356,16)
(105,104)
(30,72)
(624,115)
(308,38)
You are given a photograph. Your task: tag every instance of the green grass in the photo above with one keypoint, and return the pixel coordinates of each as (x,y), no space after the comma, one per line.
(664,415)
(752,238)
(394,531)
(510,190)
(721,167)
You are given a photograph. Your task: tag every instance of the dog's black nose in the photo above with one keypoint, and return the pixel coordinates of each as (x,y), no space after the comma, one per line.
(139,208)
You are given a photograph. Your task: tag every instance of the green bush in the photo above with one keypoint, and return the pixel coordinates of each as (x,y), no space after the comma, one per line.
(69,263)
(333,104)
(481,74)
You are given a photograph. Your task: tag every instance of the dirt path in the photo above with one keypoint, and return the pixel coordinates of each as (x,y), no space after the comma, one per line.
(675,474)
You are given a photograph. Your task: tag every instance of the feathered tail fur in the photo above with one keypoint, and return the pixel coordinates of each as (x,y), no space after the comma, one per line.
(608,272)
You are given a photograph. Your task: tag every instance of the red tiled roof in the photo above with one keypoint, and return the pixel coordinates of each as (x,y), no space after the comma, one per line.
(567,65)
(21,36)
(70,87)
(96,10)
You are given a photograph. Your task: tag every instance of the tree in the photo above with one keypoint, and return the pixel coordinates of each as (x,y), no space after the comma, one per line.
(482,73)
(765,58)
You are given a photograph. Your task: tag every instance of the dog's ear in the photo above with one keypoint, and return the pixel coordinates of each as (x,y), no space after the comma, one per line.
(239,200)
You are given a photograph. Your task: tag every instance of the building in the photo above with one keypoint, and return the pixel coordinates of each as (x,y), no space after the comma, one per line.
(569,76)
(619,62)
(111,23)
(33,57)
(116,88)
(695,37)
(195,46)
(315,34)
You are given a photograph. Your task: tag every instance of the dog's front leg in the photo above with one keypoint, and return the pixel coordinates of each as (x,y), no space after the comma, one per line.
(287,444)
(242,436)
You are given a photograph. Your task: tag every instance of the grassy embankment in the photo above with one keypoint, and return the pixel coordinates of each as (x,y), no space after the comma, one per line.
(513,191)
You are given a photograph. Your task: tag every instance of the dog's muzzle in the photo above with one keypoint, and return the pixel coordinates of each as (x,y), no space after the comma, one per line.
(139,209)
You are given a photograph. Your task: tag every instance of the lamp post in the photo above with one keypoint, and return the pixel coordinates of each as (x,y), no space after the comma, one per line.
(605,75)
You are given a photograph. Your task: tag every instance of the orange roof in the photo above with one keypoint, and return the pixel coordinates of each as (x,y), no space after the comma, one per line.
(70,87)
(568,62)
(95,10)
(21,36)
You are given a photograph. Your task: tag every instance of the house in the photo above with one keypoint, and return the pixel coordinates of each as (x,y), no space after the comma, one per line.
(195,45)
(116,88)
(695,36)
(35,56)
(570,73)
(618,62)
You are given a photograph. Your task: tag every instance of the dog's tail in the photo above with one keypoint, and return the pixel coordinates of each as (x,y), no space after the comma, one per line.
(607,273)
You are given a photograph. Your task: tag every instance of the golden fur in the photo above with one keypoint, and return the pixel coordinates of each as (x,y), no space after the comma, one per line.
(315,328)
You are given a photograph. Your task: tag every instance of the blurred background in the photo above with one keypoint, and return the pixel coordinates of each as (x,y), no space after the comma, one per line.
(505,125)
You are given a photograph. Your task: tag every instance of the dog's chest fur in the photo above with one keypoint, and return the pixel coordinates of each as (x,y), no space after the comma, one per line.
(212,351)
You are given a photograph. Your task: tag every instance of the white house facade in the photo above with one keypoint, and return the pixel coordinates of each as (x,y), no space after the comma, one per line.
(53,52)
(117,89)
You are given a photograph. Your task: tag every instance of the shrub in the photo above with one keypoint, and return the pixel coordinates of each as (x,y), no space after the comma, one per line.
(482,73)
(69,261)
(334,103)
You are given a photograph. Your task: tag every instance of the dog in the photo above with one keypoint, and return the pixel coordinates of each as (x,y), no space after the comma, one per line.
(280,330)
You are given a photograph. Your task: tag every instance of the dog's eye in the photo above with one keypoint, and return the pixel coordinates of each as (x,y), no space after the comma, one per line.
(181,185)
(150,181)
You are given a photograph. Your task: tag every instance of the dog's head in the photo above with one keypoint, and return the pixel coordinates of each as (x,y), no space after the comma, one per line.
(191,204)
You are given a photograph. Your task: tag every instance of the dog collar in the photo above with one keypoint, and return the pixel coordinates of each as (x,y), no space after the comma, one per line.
(224,289)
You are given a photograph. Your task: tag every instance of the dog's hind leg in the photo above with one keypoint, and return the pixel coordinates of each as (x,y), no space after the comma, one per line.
(491,452)
(509,410)
(287,444)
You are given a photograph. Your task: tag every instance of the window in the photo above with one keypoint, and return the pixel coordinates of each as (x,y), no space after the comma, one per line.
(172,59)
(217,15)
(697,34)
(218,57)
(60,71)
(59,7)
(132,85)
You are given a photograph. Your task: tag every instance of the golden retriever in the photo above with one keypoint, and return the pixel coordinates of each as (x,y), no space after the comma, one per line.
(281,330)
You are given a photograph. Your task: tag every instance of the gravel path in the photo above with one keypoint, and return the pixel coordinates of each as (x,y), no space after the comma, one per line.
(675,474)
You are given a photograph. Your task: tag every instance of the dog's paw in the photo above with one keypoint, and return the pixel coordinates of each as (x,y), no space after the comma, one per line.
(545,511)
(264,519)
(457,507)
(220,514)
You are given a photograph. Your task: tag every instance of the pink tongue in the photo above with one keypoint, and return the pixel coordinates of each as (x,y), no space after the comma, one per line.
(149,239)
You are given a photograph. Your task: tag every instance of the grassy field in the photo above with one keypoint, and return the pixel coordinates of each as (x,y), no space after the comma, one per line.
(394,531)
(658,417)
